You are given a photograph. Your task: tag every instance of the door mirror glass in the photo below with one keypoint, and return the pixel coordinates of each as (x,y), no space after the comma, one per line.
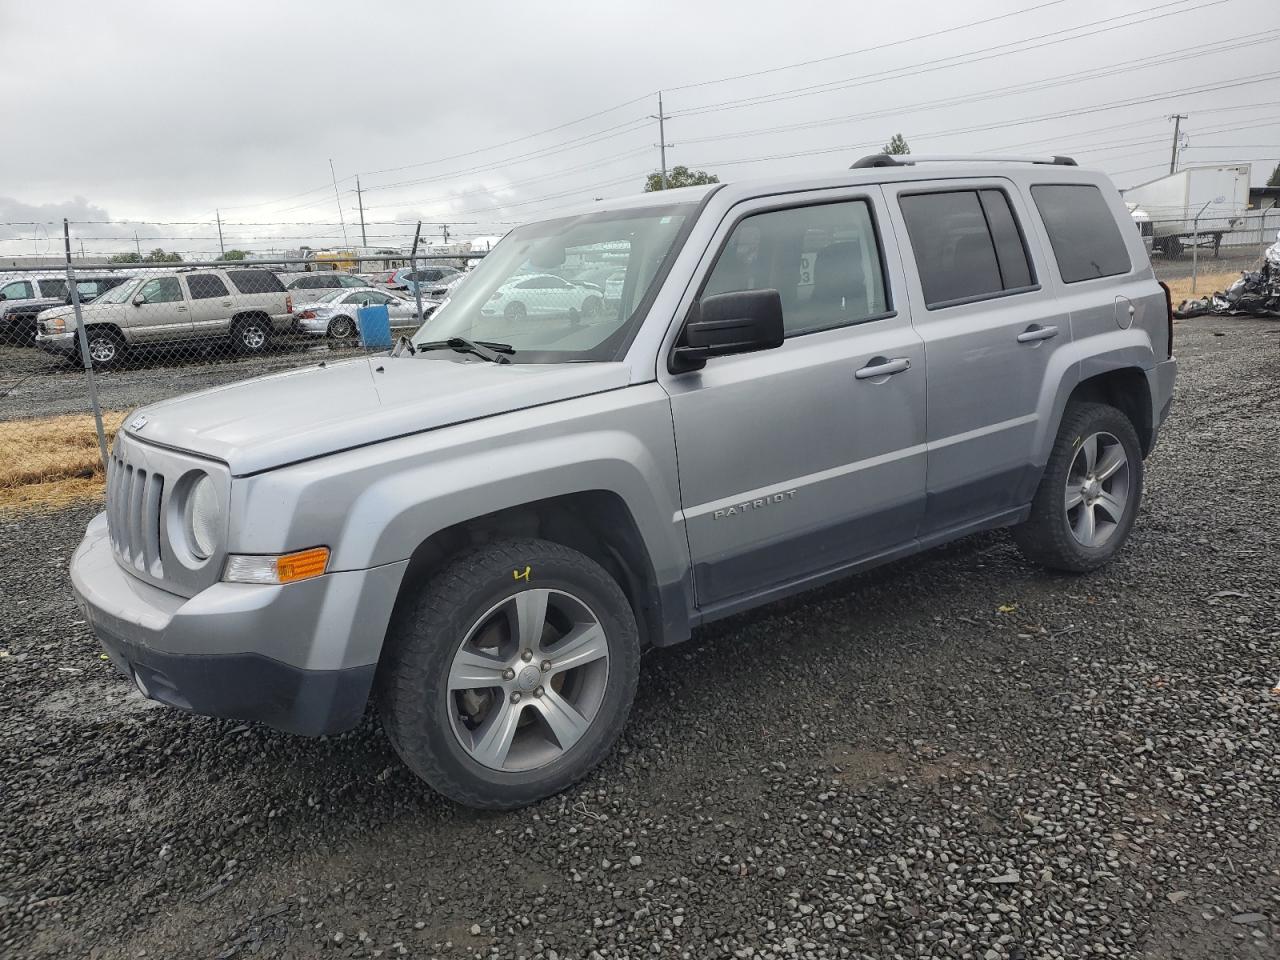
(722,324)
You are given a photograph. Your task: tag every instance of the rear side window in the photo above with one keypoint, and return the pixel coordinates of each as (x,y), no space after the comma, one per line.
(967,245)
(204,286)
(256,281)
(1086,241)
(53,288)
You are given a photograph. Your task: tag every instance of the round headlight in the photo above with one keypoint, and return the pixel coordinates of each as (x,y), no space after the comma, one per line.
(204,516)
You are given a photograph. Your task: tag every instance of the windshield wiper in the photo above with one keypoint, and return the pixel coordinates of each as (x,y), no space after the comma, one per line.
(485,349)
(403,343)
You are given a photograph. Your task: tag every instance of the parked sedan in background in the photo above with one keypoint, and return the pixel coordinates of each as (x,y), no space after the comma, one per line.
(334,314)
(310,287)
(544,295)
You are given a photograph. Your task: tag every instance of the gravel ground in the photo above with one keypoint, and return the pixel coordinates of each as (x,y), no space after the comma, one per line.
(954,756)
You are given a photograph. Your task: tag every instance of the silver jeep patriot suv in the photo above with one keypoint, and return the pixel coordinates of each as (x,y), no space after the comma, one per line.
(481,530)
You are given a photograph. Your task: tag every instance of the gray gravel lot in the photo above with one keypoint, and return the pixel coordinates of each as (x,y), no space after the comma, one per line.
(954,756)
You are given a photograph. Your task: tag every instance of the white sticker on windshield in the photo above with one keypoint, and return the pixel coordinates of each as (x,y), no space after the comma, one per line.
(665,220)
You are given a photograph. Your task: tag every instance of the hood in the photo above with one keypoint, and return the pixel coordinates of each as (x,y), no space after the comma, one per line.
(258,424)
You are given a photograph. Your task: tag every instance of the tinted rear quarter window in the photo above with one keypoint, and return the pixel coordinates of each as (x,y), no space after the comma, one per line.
(953,248)
(1082,230)
(256,281)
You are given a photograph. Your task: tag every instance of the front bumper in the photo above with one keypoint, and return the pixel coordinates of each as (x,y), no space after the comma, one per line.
(62,344)
(300,658)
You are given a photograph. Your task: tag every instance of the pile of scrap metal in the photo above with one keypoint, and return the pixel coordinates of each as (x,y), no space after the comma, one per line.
(1256,293)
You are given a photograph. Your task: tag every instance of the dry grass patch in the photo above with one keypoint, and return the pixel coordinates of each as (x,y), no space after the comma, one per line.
(50,462)
(1206,284)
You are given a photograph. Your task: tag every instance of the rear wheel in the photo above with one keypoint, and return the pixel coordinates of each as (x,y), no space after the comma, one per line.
(1089,495)
(515,311)
(591,308)
(251,334)
(511,674)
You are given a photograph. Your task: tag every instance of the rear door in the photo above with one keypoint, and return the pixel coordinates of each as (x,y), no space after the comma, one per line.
(991,330)
(799,461)
(211,304)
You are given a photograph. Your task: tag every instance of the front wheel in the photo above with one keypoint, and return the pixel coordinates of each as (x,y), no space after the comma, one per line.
(106,347)
(511,674)
(1089,495)
(341,328)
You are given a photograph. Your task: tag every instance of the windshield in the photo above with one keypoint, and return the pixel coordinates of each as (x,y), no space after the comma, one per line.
(525,293)
(119,294)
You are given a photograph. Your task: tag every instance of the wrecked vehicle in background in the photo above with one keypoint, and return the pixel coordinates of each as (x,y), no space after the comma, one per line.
(1256,293)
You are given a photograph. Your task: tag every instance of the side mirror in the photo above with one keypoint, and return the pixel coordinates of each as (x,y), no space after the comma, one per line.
(743,321)
(138,301)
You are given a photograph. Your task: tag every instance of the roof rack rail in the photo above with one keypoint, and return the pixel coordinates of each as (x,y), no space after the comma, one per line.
(907,160)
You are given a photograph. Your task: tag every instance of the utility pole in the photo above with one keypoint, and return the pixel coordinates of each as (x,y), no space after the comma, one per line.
(446,232)
(137,245)
(662,139)
(1177,119)
(338,200)
(221,249)
(364,241)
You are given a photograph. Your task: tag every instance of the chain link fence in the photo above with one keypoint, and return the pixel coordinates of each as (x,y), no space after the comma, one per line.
(83,342)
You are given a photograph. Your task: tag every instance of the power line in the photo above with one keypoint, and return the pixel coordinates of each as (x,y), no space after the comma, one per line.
(870,49)
(961,59)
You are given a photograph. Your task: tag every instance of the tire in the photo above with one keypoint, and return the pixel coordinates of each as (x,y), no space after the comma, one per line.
(251,334)
(1083,537)
(1172,247)
(342,328)
(515,311)
(106,348)
(462,619)
(591,308)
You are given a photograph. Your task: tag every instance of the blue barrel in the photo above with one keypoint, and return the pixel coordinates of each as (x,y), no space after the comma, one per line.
(375,327)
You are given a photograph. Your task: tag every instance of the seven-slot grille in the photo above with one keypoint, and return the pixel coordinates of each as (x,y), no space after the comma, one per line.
(133,515)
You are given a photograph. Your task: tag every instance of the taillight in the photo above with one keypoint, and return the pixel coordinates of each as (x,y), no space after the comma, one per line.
(288,303)
(307,315)
(1168,306)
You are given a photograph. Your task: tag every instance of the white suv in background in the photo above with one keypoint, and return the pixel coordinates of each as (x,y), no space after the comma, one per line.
(247,304)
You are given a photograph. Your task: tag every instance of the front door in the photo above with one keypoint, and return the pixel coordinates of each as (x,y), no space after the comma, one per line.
(993,329)
(158,311)
(805,459)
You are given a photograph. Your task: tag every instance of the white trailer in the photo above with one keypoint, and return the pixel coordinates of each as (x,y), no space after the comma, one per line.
(1196,204)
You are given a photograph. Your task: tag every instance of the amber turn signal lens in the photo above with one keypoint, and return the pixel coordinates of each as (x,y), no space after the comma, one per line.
(302,565)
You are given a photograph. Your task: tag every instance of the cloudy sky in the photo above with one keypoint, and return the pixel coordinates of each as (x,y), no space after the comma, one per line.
(484,114)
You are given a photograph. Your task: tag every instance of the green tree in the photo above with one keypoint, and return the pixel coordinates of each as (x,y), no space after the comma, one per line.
(234,255)
(897,146)
(1274,181)
(130,257)
(159,256)
(680,176)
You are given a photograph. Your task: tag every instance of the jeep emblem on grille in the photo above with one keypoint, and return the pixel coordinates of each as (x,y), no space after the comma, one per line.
(137,423)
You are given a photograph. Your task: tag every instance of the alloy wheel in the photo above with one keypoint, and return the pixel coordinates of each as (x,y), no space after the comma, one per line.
(1097,491)
(528,680)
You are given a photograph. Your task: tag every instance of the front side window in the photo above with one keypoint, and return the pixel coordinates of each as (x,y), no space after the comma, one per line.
(1082,230)
(967,245)
(161,290)
(558,320)
(17,290)
(204,286)
(823,260)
